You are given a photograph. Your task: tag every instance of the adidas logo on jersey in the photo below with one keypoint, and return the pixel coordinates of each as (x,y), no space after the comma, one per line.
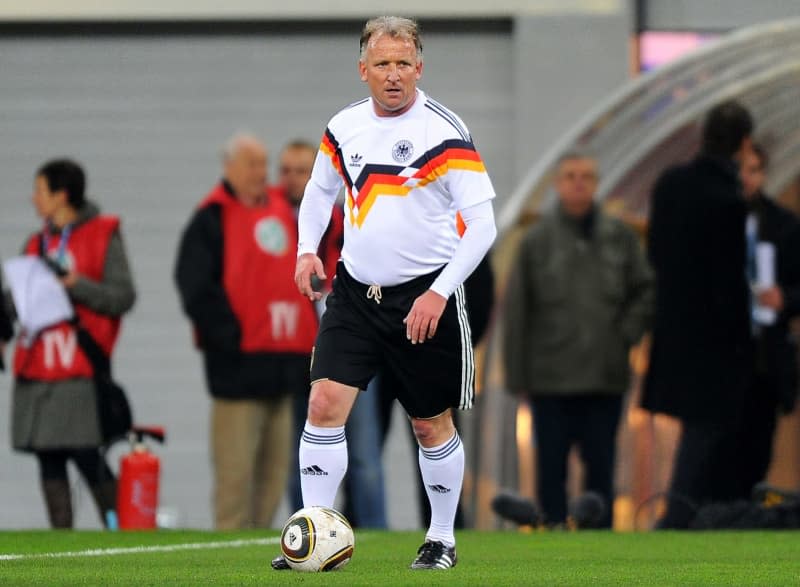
(439,488)
(315,470)
(355,160)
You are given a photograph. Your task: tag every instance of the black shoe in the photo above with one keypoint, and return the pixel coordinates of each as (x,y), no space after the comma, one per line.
(517,509)
(435,555)
(769,495)
(588,511)
(279,564)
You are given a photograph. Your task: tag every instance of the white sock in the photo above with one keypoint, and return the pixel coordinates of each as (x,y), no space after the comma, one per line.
(442,469)
(323,463)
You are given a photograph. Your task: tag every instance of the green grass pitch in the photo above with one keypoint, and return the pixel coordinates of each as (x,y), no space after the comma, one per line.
(50,558)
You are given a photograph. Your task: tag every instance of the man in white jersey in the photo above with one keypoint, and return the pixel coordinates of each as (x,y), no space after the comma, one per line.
(409,168)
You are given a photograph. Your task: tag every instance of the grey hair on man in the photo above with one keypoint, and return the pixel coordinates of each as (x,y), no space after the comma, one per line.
(574,154)
(397,27)
(237,141)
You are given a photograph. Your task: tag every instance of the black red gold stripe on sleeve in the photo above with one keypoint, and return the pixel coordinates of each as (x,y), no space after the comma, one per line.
(330,146)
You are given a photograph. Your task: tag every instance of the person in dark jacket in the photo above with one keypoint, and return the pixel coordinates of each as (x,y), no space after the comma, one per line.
(579,297)
(6,327)
(774,385)
(235,277)
(700,362)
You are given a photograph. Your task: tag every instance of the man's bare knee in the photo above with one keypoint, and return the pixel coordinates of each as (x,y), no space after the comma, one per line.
(423,430)
(433,431)
(330,403)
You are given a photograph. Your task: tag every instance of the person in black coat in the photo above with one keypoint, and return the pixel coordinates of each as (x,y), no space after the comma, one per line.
(234,274)
(774,385)
(6,328)
(699,363)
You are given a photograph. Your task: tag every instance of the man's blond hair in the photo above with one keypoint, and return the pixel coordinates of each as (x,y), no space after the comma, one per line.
(396,27)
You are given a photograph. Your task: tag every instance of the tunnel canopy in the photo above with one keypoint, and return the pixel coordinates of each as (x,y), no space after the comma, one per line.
(652,122)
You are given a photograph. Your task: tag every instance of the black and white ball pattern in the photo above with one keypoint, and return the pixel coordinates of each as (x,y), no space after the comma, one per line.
(317,539)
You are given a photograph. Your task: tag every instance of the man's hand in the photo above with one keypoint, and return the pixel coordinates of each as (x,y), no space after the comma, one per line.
(308,264)
(423,318)
(771,297)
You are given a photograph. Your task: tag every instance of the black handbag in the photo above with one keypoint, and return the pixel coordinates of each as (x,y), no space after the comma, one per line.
(113,408)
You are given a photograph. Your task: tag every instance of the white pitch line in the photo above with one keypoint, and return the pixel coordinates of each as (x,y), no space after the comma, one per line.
(142,549)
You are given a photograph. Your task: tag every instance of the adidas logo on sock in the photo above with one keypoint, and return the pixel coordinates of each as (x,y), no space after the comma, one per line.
(438,488)
(315,470)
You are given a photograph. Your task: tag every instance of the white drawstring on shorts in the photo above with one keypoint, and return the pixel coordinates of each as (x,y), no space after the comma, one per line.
(374,293)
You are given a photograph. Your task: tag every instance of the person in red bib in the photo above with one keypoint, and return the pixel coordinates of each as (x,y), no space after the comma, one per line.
(235,277)
(54,413)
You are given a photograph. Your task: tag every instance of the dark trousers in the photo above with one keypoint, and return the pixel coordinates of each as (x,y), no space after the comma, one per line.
(706,469)
(589,422)
(56,488)
(755,440)
(721,461)
(90,463)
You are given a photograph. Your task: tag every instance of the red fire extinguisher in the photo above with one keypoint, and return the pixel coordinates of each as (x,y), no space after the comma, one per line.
(137,489)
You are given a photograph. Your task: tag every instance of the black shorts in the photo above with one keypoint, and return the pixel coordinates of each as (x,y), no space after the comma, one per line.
(359,337)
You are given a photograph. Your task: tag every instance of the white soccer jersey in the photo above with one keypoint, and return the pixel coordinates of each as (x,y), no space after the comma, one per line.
(405,178)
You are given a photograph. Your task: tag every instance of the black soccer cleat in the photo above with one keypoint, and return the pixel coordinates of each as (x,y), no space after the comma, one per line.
(517,509)
(769,495)
(435,555)
(279,564)
(588,510)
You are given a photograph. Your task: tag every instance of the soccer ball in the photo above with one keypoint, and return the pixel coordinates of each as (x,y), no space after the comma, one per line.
(317,539)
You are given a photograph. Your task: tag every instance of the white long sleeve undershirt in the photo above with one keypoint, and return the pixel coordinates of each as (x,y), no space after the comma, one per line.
(473,246)
(314,216)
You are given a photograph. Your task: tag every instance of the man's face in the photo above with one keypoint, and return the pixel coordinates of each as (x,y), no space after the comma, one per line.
(576,183)
(295,169)
(391,70)
(751,172)
(246,171)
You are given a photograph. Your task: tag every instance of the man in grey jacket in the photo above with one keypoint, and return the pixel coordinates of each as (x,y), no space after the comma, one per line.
(580,295)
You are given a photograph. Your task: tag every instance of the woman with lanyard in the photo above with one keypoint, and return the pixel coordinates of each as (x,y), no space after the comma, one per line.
(54,402)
